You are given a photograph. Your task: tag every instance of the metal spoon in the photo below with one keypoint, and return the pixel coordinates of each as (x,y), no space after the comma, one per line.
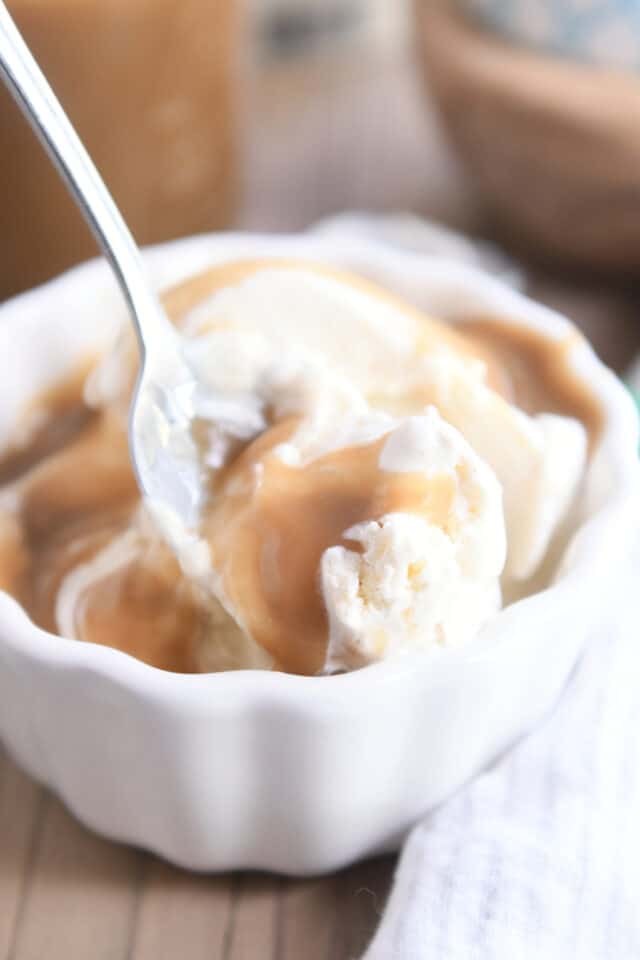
(161,410)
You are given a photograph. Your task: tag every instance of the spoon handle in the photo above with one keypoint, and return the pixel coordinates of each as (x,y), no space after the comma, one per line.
(32,92)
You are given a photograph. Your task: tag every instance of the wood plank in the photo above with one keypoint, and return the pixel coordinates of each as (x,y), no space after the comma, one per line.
(20,803)
(254,930)
(82,895)
(182,915)
(306,919)
(362,893)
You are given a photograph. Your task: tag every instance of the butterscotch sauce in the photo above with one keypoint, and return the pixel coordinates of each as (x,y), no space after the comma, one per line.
(48,422)
(71,504)
(270,523)
(538,374)
(147,609)
(70,493)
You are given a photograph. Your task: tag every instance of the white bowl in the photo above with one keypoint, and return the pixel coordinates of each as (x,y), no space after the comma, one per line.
(259,769)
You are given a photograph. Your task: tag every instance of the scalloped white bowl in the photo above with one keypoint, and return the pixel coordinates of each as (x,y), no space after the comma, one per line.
(266,770)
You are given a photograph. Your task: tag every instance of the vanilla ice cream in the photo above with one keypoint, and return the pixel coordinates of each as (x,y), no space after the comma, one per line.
(349,370)
(422,578)
(368,485)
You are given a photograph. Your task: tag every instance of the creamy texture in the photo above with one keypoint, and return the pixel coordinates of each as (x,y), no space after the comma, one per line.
(274,529)
(427,575)
(538,460)
(367,476)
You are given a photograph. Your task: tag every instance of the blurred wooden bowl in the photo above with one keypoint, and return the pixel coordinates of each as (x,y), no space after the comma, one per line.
(553,146)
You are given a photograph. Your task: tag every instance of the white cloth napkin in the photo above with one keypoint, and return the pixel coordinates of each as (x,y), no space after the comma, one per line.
(539,857)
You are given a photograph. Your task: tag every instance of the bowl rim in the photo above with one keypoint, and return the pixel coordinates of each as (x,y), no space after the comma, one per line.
(389,265)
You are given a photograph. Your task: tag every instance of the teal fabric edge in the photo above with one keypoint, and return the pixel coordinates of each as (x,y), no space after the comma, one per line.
(635,393)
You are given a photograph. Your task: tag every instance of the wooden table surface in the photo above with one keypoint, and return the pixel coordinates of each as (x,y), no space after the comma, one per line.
(66,894)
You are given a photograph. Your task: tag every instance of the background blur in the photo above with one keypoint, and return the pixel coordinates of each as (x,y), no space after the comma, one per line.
(338,117)
(519,121)
(286,111)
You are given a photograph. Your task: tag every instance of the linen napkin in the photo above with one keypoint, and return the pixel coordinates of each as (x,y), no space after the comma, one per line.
(539,857)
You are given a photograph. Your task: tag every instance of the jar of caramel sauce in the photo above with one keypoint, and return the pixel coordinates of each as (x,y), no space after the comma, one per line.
(148,85)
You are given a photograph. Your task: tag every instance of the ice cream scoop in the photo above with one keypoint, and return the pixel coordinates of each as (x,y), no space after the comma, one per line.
(428,577)
(538,460)
(391,539)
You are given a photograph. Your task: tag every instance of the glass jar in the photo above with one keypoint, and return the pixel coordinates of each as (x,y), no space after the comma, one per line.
(149,86)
